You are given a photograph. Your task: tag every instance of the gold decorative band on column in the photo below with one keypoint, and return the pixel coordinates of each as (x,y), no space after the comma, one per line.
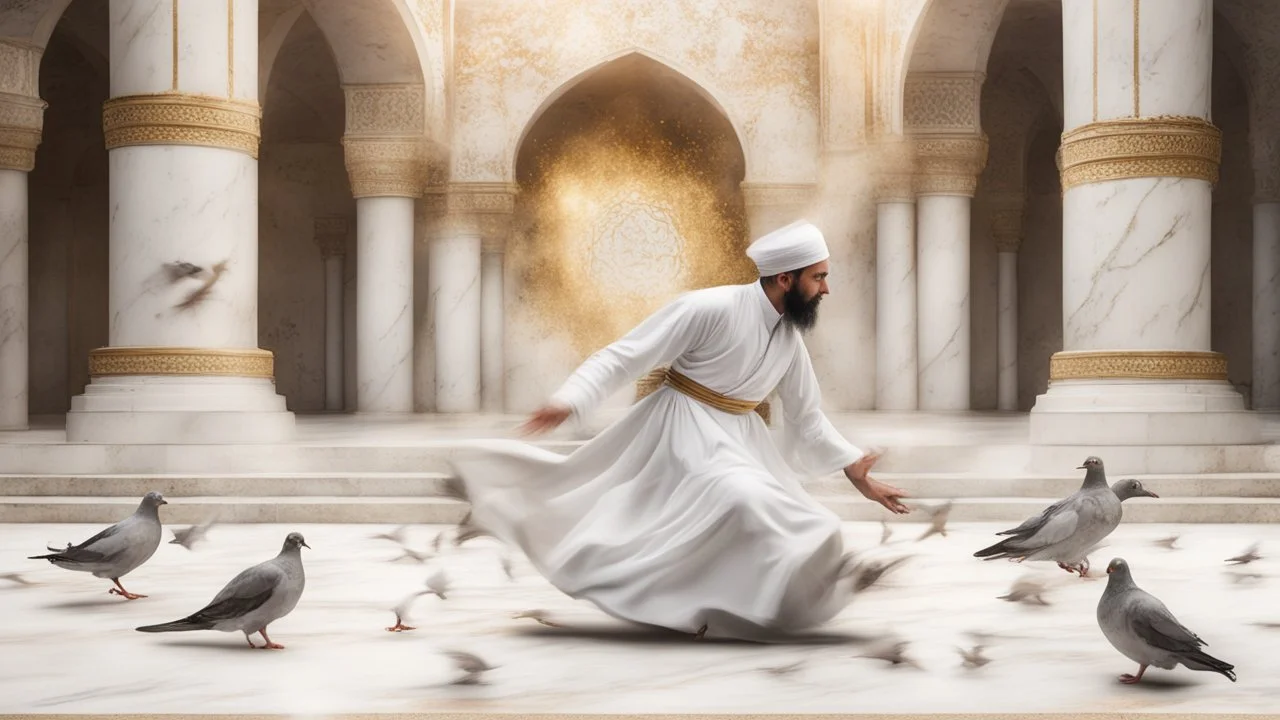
(21,122)
(385,167)
(182,119)
(252,363)
(657,377)
(1185,147)
(949,165)
(1137,364)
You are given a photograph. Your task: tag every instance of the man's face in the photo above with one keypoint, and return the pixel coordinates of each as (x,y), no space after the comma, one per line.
(804,291)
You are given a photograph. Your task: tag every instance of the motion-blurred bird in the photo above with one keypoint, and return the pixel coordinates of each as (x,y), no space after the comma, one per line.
(539,616)
(1249,555)
(187,537)
(470,664)
(199,294)
(180,270)
(1166,542)
(1027,590)
(973,658)
(938,520)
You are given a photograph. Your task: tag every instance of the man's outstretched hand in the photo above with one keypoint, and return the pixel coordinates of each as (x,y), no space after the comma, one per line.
(887,495)
(544,419)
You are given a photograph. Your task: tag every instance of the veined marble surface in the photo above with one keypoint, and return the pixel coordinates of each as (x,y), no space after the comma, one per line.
(384,304)
(14,293)
(942,277)
(896,366)
(80,653)
(1136,265)
(454,277)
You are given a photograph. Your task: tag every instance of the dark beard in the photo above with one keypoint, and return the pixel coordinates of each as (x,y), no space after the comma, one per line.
(798,312)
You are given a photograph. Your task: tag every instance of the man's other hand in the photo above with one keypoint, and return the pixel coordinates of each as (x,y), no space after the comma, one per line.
(545,419)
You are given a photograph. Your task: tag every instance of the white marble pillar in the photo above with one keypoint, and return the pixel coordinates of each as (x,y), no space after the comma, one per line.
(454,278)
(942,261)
(14,345)
(21,125)
(385,155)
(1007,329)
(493,368)
(182,136)
(384,304)
(331,237)
(896,293)
(1138,160)
(1006,231)
(1266,306)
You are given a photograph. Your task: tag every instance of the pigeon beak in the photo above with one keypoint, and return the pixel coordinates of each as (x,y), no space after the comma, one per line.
(164,502)
(305,545)
(1151,494)
(1083,467)
(1108,571)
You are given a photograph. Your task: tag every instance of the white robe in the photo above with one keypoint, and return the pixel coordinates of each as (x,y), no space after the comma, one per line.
(679,514)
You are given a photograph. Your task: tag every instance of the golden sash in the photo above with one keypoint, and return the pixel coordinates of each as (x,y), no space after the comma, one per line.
(719,401)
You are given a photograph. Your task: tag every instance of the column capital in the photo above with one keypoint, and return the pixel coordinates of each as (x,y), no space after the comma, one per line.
(949,165)
(1169,146)
(895,158)
(331,235)
(1006,222)
(21,125)
(763,194)
(386,153)
(481,208)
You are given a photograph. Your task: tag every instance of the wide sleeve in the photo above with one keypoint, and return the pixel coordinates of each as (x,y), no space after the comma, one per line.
(679,326)
(810,443)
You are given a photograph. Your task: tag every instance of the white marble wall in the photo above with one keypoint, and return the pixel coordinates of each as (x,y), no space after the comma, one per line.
(942,272)
(454,279)
(896,382)
(334,344)
(384,304)
(13,300)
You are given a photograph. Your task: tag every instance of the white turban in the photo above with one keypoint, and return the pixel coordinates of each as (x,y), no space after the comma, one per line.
(793,247)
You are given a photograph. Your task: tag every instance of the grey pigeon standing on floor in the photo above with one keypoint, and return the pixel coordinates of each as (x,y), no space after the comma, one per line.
(1068,530)
(253,599)
(1143,630)
(118,550)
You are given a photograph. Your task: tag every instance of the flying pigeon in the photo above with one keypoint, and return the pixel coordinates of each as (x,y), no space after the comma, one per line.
(539,616)
(253,599)
(180,269)
(937,520)
(1028,590)
(1249,555)
(1167,543)
(408,553)
(973,658)
(397,536)
(118,550)
(894,653)
(1143,629)
(192,535)
(1068,530)
(437,584)
(470,664)
(885,531)
(468,530)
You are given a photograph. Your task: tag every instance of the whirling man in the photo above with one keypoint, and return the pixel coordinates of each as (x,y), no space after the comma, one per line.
(684,513)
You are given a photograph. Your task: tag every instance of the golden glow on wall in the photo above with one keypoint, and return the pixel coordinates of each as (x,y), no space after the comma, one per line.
(623,216)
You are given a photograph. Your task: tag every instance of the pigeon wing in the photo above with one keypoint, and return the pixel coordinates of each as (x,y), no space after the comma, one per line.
(1150,620)
(1032,524)
(104,547)
(1051,530)
(246,592)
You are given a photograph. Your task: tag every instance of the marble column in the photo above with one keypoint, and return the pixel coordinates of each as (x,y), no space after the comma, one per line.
(1264,140)
(947,179)
(1138,160)
(331,238)
(1006,229)
(385,155)
(21,123)
(467,303)
(182,136)
(896,293)
(493,366)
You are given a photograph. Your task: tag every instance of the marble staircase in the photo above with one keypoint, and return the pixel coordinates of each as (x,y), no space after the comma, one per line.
(361,470)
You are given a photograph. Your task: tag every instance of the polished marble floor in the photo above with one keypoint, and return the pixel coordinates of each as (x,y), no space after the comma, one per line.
(79,653)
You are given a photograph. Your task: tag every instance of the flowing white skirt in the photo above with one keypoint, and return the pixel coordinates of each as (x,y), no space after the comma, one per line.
(678,515)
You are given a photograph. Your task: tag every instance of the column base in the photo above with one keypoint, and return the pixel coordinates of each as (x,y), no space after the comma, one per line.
(1139,425)
(179,410)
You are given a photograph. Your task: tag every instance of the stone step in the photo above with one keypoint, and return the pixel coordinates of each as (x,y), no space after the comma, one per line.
(431,484)
(427,510)
(368,484)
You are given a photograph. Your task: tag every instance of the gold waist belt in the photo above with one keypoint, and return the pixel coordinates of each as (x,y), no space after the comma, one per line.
(706,395)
